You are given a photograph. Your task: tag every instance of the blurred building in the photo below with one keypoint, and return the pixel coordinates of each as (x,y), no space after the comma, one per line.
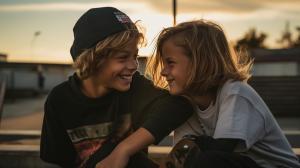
(3,57)
(31,78)
(267,62)
(276,62)
(27,76)
(142,64)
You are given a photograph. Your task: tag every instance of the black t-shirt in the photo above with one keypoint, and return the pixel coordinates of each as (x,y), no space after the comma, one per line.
(75,125)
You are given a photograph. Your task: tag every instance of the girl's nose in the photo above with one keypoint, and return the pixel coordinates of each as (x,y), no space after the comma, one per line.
(164,72)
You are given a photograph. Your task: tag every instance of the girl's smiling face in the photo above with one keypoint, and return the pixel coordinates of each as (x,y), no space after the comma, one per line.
(175,66)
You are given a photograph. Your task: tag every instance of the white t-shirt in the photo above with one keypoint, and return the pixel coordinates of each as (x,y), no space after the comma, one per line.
(240,113)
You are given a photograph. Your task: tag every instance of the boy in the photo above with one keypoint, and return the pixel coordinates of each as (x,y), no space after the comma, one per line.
(86,116)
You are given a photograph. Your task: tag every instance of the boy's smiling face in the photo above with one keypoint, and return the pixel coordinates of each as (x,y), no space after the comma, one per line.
(117,71)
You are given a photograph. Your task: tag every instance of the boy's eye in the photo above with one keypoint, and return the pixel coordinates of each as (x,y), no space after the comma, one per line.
(122,57)
(125,58)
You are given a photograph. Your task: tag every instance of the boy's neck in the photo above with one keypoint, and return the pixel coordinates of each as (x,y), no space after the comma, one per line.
(92,88)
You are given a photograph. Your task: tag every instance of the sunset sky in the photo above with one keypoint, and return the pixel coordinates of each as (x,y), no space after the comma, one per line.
(21,19)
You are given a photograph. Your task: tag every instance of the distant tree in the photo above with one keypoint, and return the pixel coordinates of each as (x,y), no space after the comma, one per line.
(251,40)
(286,37)
(296,43)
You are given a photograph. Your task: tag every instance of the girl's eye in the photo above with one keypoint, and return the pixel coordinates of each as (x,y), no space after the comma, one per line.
(170,62)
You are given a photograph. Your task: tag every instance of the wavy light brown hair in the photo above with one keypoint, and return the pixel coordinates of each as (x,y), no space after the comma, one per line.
(92,59)
(212,60)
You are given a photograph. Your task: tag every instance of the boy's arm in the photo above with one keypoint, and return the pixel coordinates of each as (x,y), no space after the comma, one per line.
(163,113)
(168,113)
(137,141)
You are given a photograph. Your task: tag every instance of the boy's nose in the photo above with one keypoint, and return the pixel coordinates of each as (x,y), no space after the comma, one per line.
(132,64)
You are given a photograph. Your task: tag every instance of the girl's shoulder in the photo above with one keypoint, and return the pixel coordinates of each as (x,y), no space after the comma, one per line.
(240,89)
(243,90)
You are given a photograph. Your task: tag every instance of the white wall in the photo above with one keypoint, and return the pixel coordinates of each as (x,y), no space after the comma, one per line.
(276,69)
(27,78)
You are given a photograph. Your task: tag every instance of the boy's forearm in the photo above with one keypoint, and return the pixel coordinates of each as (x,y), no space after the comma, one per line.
(137,141)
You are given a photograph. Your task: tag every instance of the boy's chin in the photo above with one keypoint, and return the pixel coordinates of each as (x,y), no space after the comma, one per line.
(123,88)
(173,93)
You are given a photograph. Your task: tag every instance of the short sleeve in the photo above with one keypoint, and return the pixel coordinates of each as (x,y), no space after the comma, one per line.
(155,109)
(239,119)
(167,114)
(55,146)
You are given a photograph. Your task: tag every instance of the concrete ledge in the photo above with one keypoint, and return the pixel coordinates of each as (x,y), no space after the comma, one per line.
(16,156)
(20,132)
(293,138)
(159,151)
(162,151)
(296,151)
(8,148)
(25,156)
(34,149)
(12,135)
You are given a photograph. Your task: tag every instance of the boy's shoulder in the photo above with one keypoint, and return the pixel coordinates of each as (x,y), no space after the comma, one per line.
(60,91)
(144,86)
(145,93)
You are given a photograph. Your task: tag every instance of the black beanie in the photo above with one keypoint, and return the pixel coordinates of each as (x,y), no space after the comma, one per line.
(95,25)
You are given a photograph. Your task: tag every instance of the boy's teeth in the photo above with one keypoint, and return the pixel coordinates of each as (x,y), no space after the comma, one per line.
(126,77)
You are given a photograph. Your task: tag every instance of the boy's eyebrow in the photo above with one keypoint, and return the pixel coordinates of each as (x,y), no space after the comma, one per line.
(125,51)
(182,46)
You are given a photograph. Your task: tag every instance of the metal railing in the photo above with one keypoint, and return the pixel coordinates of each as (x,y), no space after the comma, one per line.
(2,93)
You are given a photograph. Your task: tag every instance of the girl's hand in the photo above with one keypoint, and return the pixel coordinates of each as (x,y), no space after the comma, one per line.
(116,159)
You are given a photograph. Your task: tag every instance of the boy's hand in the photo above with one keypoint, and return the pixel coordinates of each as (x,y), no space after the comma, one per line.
(117,159)
(128,147)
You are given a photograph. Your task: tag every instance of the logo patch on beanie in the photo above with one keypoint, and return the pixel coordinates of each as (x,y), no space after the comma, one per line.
(122,17)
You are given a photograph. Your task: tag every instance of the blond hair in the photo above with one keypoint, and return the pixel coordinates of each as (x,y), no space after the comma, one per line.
(92,59)
(212,60)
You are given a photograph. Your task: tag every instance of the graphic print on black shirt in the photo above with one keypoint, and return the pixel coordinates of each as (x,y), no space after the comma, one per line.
(89,138)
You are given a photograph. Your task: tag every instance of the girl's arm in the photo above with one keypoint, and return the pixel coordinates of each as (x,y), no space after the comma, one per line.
(137,141)
(222,144)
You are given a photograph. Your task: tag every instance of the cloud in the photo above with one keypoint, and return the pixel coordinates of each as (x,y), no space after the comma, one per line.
(70,6)
(163,6)
(228,6)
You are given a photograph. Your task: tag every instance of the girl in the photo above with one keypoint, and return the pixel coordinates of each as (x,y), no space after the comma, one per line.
(234,126)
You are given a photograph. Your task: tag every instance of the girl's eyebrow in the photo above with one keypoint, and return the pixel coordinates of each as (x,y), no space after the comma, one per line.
(167,58)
